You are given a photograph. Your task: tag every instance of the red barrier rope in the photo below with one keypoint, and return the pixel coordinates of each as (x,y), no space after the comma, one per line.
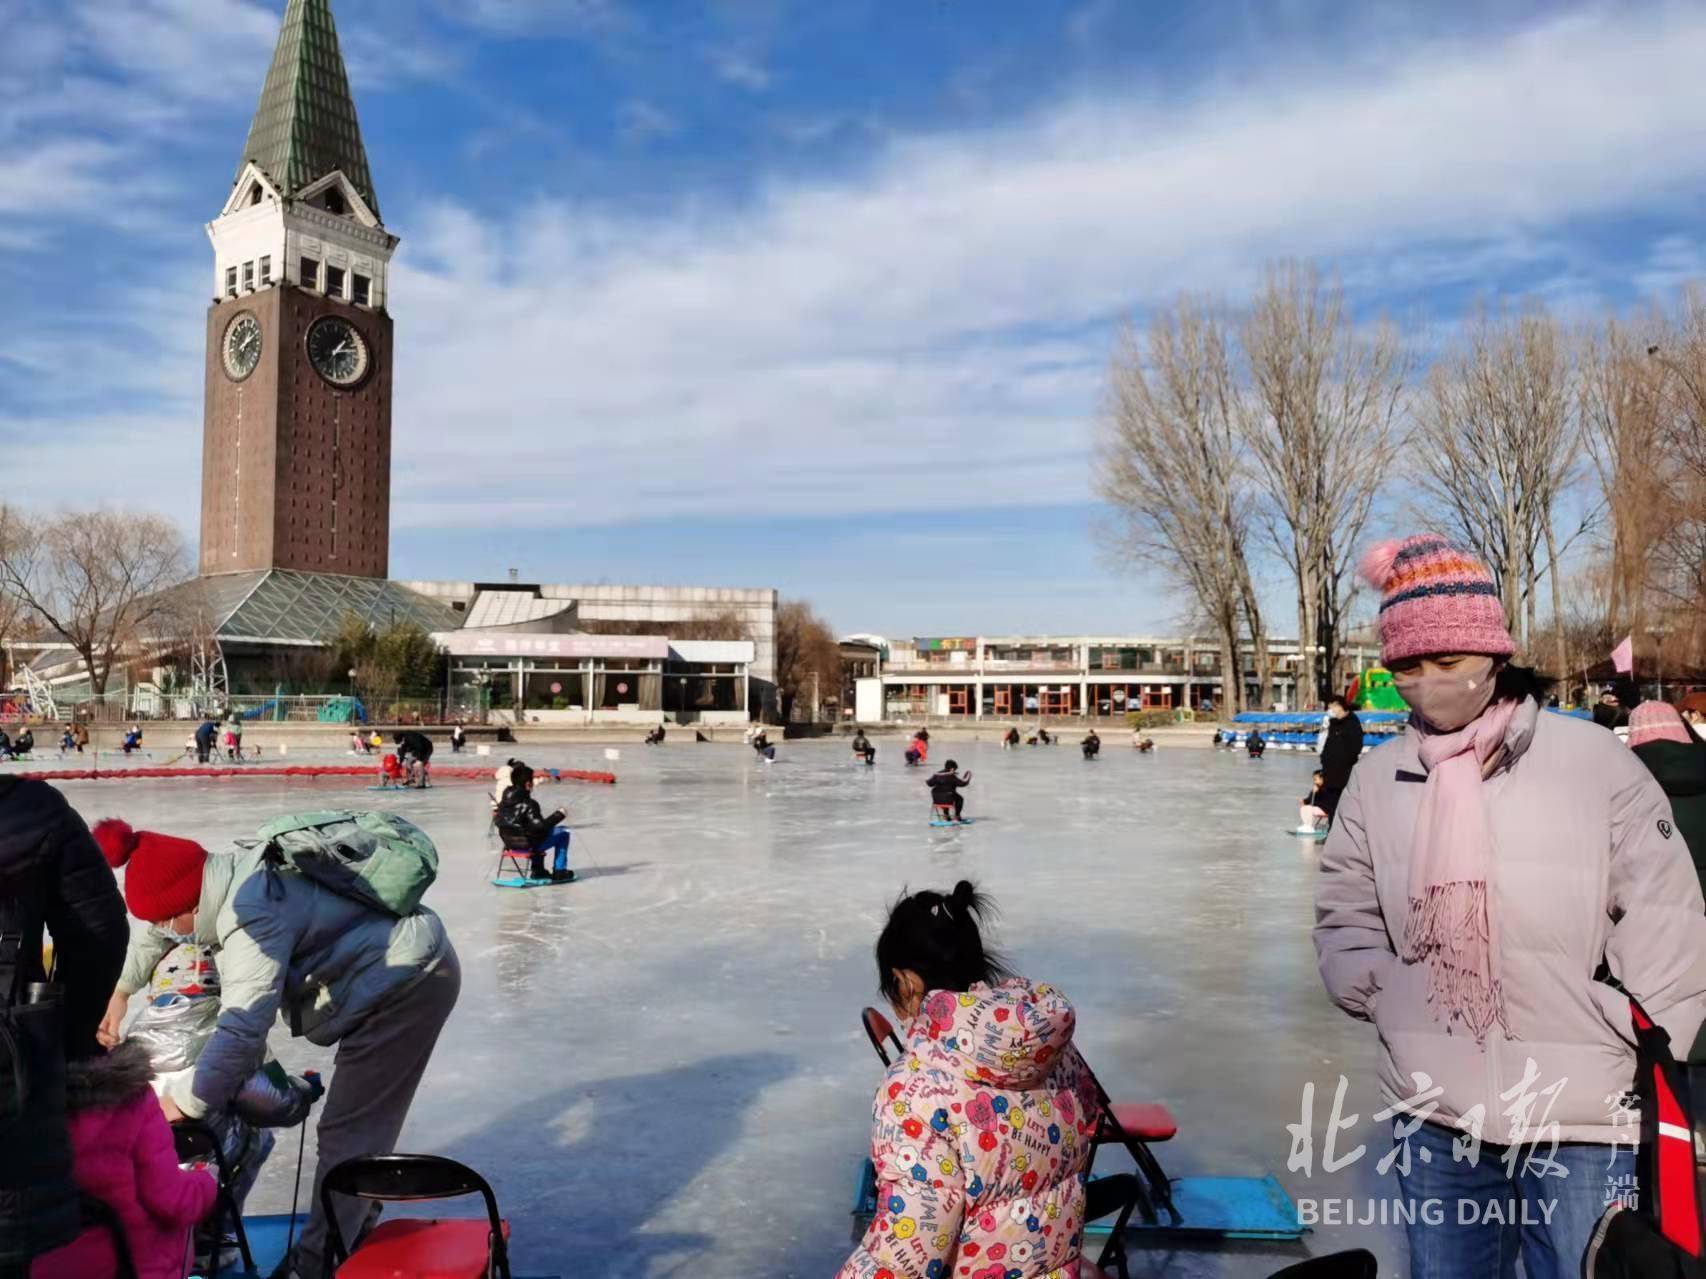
(294,770)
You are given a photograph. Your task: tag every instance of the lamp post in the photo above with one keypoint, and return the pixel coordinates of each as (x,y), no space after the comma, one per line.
(1658,633)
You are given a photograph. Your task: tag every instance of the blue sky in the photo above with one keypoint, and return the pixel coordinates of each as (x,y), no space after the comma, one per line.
(813,294)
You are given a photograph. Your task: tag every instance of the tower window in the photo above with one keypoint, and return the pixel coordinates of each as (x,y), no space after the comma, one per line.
(335,201)
(310,273)
(363,289)
(248,277)
(230,281)
(255,193)
(266,271)
(334,281)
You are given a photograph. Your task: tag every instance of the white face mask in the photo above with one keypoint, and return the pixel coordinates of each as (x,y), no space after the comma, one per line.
(1450,699)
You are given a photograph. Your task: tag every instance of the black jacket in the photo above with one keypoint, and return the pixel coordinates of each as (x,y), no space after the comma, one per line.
(521,825)
(1680,770)
(1341,751)
(414,745)
(47,856)
(944,786)
(206,734)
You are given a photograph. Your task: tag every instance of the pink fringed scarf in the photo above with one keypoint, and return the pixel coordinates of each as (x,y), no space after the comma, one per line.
(1451,924)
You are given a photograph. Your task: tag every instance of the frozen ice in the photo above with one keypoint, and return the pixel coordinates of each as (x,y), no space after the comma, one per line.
(660,1067)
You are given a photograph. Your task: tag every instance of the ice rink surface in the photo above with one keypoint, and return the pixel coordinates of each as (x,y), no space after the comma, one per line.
(660,1067)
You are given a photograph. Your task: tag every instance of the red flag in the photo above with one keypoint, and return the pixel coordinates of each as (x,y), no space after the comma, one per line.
(1623,656)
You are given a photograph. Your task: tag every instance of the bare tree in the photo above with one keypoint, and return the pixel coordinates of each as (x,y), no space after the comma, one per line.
(1323,401)
(808,660)
(1495,445)
(1624,431)
(97,581)
(1167,462)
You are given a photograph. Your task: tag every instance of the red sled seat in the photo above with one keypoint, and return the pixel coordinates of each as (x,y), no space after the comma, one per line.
(1144,1120)
(424,1249)
(418,1248)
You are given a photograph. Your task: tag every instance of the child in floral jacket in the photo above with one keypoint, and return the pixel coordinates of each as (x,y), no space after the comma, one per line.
(982,1132)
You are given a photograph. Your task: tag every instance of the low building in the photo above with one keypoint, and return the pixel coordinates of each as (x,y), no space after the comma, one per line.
(1008,676)
(609,654)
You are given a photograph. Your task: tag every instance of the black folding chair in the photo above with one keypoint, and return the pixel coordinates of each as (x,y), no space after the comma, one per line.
(196,1141)
(442,1243)
(1135,1126)
(1117,1196)
(879,1030)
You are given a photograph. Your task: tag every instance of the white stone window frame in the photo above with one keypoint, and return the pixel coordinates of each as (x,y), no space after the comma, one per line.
(230,281)
(303,277)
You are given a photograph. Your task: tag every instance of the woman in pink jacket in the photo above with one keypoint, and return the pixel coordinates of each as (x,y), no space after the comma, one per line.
(123,1155)
(982,1129)
(1482,870)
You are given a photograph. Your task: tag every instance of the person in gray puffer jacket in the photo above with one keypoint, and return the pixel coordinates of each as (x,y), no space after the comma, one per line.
(337,971)
(1485,872)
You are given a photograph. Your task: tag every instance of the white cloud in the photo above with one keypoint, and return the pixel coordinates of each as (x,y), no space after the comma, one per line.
(640,121)
(740,69)
(928,332)
(870,337)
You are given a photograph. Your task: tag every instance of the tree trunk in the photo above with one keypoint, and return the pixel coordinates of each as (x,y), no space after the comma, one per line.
(1231,678)
(1258,642)
(97,675)
(1305,670)
(1531,599)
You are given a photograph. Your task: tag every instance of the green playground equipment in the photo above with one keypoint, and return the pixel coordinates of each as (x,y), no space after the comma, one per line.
(1375,691)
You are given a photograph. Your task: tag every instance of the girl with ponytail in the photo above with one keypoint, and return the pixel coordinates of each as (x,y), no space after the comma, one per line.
(982,1129)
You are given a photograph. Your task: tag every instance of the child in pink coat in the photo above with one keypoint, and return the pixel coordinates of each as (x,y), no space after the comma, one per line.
(122,1155)
(984,1127)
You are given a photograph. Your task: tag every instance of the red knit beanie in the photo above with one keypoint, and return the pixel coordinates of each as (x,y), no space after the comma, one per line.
(162,877)
(1435,598)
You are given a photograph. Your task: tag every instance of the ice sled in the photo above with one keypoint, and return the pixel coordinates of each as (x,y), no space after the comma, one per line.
(512,870)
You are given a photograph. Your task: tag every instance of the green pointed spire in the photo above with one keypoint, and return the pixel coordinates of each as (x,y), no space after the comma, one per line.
(306,126)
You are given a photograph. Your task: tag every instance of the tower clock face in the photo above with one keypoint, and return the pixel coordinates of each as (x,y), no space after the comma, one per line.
(337,351)
(242,347)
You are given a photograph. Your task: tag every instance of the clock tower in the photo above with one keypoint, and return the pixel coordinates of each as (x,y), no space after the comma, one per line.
(296,447)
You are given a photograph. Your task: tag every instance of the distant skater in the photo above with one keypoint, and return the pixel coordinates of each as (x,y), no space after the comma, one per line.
(1011,741)
(1142,745)
(1091,745)
(918,749)
(524,828)
(458,738)
(1312,814)
(206,735)
(761,744)
(862,748)
(1256,744)
(655,737)
(945,789)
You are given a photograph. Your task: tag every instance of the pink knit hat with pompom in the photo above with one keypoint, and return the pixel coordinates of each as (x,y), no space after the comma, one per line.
(1435,598)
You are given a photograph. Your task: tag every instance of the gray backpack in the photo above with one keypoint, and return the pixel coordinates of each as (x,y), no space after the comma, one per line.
(378,859)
